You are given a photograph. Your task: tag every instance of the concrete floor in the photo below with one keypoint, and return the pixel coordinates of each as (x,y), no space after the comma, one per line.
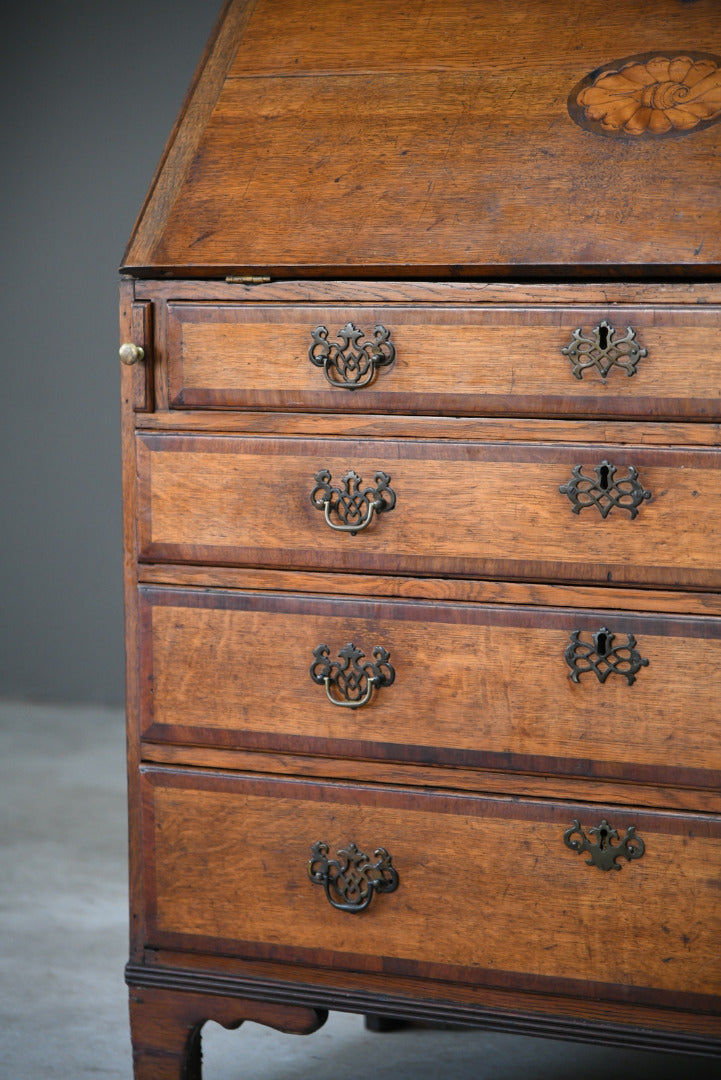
(63,946)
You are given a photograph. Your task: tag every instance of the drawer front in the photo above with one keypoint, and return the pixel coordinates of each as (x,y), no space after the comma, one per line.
(450,360)
(488,890)
(462,685)
(467,509)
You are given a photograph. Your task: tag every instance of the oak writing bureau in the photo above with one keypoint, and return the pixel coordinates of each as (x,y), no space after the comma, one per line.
(421,378)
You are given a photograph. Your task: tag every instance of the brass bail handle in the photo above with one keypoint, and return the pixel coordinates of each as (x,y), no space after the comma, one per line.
(351,881)
(348,507)
(351,362)
(371,684)
(350,683)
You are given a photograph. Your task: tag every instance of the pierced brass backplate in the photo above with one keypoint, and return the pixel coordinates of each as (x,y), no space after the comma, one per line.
(603,657)
(347,681)
(351,883)
(605,492)
(603,852)
(351,365)
(348,508)
(603,349)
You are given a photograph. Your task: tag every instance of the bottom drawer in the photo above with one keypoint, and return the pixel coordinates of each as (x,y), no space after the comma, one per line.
(488,890)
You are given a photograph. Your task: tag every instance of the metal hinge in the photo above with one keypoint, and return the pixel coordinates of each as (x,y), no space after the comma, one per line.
(246,279)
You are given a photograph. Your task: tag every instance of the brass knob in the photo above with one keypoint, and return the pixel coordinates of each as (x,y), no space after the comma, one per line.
(131,354)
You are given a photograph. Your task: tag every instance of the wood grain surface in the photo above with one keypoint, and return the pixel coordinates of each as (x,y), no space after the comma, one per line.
(453,428)
(425,167)
(216,882)
(489,510)
(459,360)
(166,1027)
(428,588)
(474,685)
(353,291)
(447,151)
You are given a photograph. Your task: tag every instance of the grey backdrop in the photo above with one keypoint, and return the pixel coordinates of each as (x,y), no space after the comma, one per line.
(90,90)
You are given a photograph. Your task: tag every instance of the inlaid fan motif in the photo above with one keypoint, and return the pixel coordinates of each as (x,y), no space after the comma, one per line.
(650,95)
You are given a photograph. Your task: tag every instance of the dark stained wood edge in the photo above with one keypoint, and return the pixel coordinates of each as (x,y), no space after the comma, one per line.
(648,822)
(443,589)
(408,754)
(415,292)
(384,426)
(143,505)
(521,451)
(624,1026)
(129,387)
(143,373)
(545,312)
(187,131)
(478,781)
(420,404)
(523,273)
(397,609)
(537,570)
(404,798)
(161,344)
(470,976)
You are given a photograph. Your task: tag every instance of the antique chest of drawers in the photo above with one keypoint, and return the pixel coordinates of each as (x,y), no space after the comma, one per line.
(421,381)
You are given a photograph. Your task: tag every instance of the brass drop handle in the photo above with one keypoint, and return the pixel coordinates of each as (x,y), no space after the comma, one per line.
(131,354)
(351,881)
(348,508)
(349,364)
(604,490)
(602,850)
(603,349)
(348,682)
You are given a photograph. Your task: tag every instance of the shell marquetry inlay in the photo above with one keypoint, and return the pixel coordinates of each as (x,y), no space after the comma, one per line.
(650,95)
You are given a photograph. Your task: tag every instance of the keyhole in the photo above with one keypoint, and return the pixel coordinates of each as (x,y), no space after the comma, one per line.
(603,336)
(603,477)
(602,837)
(602,640)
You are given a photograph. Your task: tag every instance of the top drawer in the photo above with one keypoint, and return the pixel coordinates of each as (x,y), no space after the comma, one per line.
(447,359)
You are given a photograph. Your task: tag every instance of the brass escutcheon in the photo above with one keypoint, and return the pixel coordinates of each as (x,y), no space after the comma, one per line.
(604,852)
(603,349)
(603,656)
(605,491)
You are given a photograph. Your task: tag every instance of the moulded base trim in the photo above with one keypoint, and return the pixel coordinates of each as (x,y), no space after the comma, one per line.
(398,1007)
